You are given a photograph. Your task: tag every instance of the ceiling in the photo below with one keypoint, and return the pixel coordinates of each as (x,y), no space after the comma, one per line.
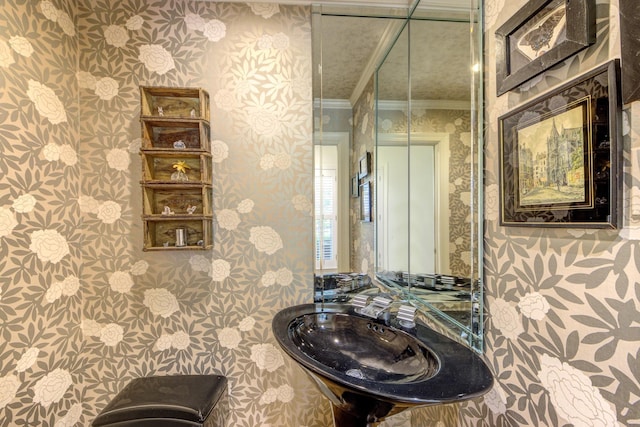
(352,47)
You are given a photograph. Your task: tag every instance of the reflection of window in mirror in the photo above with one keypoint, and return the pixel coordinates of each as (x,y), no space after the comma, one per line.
(326,221)
(332,193)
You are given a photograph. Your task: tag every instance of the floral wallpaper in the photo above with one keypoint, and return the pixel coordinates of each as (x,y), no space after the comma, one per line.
(363,140)
(83,309)
(563,321)
(41,283)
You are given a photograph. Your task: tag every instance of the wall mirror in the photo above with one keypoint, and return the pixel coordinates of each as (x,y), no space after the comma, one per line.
(404,90)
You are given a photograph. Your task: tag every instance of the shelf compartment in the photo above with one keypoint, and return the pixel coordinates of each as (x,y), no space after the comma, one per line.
(162,133)
(174,102)
(160,232)
(179,199)
(157,166)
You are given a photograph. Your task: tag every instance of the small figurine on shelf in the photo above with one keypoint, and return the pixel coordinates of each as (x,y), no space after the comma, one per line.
(167,211)
(181,171)
(191,209)
(179,144)
(193,113)
(160,112)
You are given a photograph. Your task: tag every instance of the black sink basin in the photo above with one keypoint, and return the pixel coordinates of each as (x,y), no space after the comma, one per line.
(362,348)
(370,369)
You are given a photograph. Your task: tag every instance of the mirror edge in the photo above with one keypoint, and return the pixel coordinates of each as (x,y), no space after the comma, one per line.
(472,335)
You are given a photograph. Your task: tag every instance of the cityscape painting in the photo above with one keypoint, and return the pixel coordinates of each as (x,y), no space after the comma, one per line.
(551,161)
(560,156)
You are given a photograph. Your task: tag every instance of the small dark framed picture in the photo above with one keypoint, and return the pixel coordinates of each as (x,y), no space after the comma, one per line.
(560,156)
(540,35)
(355,186)
(364,165)
(365,201)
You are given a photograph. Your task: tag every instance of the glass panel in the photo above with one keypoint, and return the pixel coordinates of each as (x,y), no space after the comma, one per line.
(392,163)
(431,74)
(424,177)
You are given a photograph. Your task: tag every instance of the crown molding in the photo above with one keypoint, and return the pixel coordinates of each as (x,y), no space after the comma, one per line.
(427,104)
(333,104)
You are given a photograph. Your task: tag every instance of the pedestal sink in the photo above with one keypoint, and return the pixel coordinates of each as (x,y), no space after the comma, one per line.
(371,369)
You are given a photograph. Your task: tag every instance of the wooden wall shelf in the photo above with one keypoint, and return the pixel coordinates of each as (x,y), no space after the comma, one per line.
(176,169)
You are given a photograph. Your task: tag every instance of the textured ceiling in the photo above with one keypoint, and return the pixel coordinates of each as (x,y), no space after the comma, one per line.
(440,63)
(440,52)
(348,44)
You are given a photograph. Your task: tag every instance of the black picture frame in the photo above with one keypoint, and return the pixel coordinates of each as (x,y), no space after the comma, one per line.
(355,186)
(364,165)
(540,35)
(560,155)
(630,46)
(365,201)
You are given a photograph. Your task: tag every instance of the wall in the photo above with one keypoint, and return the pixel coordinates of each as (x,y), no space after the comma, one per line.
(363,233)
(41,283)
(562,330)
(83,310)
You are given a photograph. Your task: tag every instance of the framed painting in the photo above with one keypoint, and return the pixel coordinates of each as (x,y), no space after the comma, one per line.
(540,35)
(560,157)
(364,164)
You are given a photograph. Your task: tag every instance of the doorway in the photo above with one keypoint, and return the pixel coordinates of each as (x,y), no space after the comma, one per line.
(331,201)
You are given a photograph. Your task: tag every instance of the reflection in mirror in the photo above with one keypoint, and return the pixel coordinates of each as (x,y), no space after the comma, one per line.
(392,161)
(426,149)
(416,116)
(434,147)
(347,49)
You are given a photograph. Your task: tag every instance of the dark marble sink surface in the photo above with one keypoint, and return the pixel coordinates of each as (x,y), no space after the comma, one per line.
(361,348)
(355,354)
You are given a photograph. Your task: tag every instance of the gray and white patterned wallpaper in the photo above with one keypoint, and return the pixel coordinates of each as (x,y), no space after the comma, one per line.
(563,323)
(363,141)
(82,309)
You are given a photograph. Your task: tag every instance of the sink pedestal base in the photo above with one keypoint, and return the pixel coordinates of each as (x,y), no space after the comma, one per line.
(346,419)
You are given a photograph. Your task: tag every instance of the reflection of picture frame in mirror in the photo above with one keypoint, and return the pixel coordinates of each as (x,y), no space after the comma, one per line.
(364,165)
(365,202)
(355,186)
(560,156)
(538,36)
